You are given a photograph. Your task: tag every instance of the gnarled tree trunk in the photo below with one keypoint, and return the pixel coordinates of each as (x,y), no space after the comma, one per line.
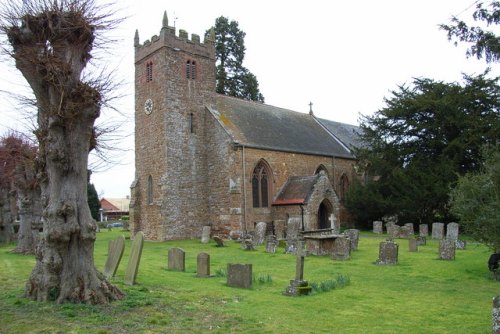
(51,47)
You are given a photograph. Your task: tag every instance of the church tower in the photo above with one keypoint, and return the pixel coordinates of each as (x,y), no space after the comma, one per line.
(174,81)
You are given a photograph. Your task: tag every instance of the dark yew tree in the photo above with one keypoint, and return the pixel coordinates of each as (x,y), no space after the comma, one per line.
(17,155)
(51,42)
(427,135)
(483,42)
(93,199)
(233,79)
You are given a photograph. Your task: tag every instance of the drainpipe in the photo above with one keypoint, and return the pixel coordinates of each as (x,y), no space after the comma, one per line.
(244,189)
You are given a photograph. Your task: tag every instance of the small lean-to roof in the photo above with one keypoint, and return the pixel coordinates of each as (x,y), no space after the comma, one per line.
(115,204)
(348,134)
(296,190)
(264,126)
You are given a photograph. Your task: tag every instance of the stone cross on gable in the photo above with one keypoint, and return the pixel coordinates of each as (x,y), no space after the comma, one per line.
(310,108)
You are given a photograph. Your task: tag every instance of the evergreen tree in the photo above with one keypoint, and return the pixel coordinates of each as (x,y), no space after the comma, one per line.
(93,200)
(483,42)
(233,79)
(428,133)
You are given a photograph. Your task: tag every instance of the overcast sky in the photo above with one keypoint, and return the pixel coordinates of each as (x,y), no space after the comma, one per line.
(343,56)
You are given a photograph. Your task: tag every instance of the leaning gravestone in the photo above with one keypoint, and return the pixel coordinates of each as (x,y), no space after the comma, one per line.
(452,231)
(203,265)
(260,233)
(378,227)
(341,249)
(239,275)
(176,259)
(388,253)
(437,231)
(205,234)
(115,253)
(134,259)
(423,230)
(496,315)
(412,244)
(353,235)
(218,241)
(271,244)
(447,249)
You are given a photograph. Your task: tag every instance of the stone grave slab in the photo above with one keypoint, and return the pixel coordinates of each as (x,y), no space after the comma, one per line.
(176,259)
(271,244)
(205,234)
(378,227)
(203,265)
(421,240)
(239,275)
(447,249)
(388,253)
(341,249)
(115,253)
(260,233)
(411,229)
(437,231)
(412,245)
(423,230)
(218,241)
(353,235)
(452,231)
(134,259)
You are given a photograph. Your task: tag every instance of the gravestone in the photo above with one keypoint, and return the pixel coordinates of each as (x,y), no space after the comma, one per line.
(388,253)
(437,231)
(421,241)
(203,265)
(411,229)
(341,248)
(452,231)
(115,253)
(378,227)
(298,286)
(390,228)
(271,244)
(239,275)
(279,229)
(496,315)
(176,259)
(292,234)
(447,249)
(460,244)
(260,233)
(205,234)
(423,230)
(134,259)
(404,232)
(353,235)
(248,244)
(412,244)
(218,241)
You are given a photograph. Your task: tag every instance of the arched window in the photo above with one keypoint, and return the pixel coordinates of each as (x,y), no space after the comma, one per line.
(149,71)
(191,69)
(261,185)
(150,189)
(324,212)
(343,185)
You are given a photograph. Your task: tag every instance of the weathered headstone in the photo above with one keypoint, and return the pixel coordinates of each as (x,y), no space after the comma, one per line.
(404,232)
(298,286)
(378,227)
(421,241)
(411,229)
(203,265)
(292,234)
(353,235)
(452,231)
(176,259)
(390,228)
(271,244)
(115,253)
(341,248)
(496,315)
(279,229)
(423,230)
(388,253)
(205,234)
(247,244)
(460,244)
(447,249)
(260,233)
(437,231)
(412,244)
(239,275)
(134,259)
(218,241)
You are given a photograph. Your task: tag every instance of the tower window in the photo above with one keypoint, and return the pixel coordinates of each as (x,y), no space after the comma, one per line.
(191,69)
(261,178)
(150,190)
(191,122)
(149,71)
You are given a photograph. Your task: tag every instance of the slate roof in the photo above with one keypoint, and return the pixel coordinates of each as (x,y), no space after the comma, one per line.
(259,125)
(348,134)
(296,190)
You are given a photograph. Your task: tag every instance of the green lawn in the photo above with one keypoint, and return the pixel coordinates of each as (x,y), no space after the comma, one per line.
(419,295)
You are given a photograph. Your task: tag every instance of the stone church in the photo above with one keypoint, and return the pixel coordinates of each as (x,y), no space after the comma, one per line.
(206,159)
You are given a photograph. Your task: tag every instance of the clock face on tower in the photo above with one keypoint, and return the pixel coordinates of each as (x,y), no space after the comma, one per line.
(148,106)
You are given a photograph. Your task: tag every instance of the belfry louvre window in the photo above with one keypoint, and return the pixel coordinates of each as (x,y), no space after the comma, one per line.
(191,69)
(261,178)
(149,71)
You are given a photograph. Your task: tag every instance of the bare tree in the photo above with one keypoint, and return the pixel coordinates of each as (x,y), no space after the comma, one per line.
(51,42)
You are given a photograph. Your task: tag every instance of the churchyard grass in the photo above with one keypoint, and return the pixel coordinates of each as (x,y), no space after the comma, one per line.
(420,294)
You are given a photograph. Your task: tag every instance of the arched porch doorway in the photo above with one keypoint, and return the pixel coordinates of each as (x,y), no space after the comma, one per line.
(324,212)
